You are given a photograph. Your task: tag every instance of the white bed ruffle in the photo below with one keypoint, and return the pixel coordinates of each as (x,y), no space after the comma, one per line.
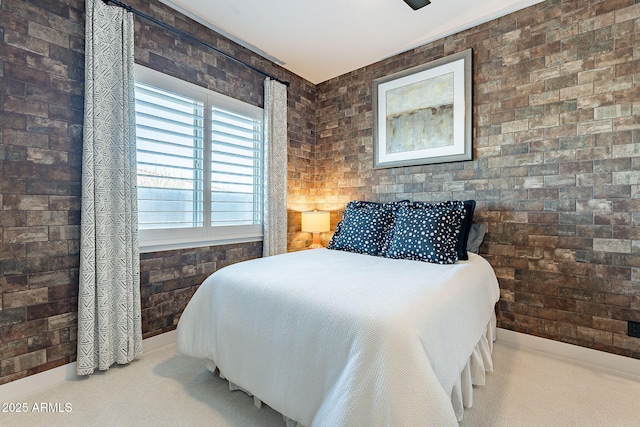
(473,374)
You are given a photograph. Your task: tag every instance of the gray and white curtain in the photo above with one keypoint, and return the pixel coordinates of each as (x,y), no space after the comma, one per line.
(109,320)
(275,173)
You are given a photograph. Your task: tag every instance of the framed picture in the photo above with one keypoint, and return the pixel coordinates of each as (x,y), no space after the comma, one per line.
(423,115)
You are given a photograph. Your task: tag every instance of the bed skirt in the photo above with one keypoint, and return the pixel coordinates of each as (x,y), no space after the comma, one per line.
(473,374)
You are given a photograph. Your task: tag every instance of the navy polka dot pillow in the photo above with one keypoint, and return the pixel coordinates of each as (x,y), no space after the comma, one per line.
(364,227)
(427,232)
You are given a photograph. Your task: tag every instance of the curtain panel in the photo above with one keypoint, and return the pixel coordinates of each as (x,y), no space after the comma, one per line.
(275,168)
(109,319)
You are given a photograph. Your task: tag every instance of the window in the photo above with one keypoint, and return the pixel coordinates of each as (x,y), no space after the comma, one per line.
(200,165)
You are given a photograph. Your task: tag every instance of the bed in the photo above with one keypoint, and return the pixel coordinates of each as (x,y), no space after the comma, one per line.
(334,337)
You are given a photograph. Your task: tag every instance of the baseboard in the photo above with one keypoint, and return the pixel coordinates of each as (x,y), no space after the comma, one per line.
(582,354)
(31,384)
(158,341)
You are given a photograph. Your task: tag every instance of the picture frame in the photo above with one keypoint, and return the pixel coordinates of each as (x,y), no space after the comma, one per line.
(423,115)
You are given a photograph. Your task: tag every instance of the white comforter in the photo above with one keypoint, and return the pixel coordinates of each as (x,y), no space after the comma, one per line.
(332,338)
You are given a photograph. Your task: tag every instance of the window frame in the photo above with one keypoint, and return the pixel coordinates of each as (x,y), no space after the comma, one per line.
(153,240)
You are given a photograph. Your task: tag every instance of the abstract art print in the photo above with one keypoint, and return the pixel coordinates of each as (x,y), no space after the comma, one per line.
(423,115)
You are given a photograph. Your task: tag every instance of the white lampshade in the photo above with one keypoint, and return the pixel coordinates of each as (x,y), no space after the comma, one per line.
(315,222)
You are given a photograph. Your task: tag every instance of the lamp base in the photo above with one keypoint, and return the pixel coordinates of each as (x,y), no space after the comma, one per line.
(316,242)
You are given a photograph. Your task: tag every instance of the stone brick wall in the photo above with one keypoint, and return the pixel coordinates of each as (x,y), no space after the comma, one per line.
(170,278)
(556,149)
(41,101)
(41,115)
(556,103)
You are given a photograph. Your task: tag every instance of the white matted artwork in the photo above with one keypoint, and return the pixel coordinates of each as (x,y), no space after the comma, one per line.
(423,115)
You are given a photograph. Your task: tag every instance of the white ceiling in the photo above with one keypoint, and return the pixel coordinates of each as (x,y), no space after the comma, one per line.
(322,39)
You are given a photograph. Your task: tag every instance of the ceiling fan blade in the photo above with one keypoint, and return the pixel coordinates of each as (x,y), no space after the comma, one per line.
(417,4)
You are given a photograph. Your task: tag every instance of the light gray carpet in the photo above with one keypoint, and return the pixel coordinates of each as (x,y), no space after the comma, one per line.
(528,388)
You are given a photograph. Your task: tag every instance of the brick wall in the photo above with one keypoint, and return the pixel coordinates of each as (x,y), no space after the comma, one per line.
(556,151)
(41,84)
(170,278)
(556,103)
(41,115)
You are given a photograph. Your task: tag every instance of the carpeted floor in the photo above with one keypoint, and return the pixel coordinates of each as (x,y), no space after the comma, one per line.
(528,388)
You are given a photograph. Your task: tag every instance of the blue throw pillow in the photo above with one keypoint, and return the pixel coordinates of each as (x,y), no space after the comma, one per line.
(461,247)
(364,227)
(427,232)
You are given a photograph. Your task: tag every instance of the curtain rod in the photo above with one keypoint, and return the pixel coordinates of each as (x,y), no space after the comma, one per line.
(190,38)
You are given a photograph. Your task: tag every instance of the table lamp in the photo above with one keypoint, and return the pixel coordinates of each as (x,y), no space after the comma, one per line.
(315,222)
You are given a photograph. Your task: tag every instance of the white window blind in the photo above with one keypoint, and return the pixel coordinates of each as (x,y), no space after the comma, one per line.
(169,138)
(236,169)
(199,175)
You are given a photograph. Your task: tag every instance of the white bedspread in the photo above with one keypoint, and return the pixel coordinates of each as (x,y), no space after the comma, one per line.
(332,338)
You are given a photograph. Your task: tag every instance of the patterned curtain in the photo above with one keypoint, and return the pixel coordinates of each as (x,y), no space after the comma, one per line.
(109,321)
(275,164)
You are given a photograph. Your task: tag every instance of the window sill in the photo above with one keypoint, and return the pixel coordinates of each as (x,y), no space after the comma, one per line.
(170,246)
